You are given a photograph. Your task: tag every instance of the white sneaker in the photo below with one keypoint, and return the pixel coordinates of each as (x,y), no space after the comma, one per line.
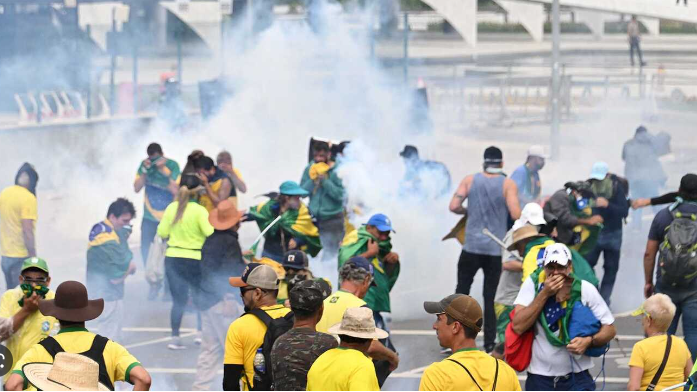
(176,344)
(198,341)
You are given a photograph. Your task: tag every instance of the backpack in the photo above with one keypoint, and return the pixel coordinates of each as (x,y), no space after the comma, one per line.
(678,252)
(263,381)
(95,353)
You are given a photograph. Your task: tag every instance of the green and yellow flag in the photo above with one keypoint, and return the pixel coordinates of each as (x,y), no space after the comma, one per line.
(297,223)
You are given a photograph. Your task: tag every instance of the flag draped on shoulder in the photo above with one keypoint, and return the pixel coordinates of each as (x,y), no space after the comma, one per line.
(298,223)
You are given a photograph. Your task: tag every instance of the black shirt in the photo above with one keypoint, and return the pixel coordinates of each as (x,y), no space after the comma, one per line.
(221,258)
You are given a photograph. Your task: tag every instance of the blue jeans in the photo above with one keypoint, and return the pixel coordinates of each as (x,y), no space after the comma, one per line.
(571,382)
(12,268)
(148,231)
(609,244)
(685,300)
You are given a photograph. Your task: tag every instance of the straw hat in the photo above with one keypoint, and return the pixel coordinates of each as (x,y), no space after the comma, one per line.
(68,372)
(225,216)
(523,233)
(358,323)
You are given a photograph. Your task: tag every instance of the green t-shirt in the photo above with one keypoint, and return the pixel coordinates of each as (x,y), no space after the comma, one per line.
(157,194)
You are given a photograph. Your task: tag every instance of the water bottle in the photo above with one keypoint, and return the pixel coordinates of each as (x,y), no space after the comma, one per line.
(259,364)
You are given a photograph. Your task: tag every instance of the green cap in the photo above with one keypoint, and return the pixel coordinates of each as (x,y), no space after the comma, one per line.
(35,262)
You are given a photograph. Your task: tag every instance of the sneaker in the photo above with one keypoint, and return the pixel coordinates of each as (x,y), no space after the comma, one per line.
(176,344)
(198,341)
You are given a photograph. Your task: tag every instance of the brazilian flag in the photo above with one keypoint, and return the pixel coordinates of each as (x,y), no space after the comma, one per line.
(356,243)
(585,237)
(297,223)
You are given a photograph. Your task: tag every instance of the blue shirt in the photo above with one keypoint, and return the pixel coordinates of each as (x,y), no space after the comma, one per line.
(529,185)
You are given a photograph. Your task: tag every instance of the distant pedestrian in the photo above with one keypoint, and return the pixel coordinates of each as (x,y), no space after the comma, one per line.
(423,179)
(348,367)
(18,216)
(578,224)
(294,353)
(527,176)
(491,198)
(643,169)
(659,347)
(458,321)
(634,35)
(224,162)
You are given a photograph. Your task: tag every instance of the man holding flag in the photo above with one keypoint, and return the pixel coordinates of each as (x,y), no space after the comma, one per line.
(373,242)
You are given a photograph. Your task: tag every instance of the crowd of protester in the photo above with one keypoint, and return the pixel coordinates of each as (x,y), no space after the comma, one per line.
(269,323)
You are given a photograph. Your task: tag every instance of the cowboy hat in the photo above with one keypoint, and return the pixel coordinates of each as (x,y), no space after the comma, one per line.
(68,372)
(225,216)
(524,233)
(71,303)
(358,323)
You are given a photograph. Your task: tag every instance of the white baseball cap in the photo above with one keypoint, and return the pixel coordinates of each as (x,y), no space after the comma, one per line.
(537,151)
(532,214)
(557,253)
(599,171)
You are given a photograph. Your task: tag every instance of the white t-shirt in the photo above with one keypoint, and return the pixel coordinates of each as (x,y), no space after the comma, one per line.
(548,360)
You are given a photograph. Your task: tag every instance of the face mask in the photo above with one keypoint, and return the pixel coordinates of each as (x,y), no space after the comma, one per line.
(494,170)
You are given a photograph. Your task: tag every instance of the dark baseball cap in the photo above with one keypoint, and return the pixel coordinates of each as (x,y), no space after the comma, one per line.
(364,264)
(493,154)
(462,308)
(409,152)
(308,295)
(295,259)
(688,186)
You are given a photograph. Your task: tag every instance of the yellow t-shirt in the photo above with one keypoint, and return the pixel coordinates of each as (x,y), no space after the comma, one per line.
(334,307)
(244,337)
(119,362)
(36,327)
(648,355)
(342,369)
(449,376)
(16,204)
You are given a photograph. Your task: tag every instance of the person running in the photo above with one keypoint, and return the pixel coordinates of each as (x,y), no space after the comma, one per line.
(158,176)
(675,275)
(18,216)
(348,367)
(245,337)
(21,305)
(458,321)
(491,199)
(294,353)
(109,263)
(547,302)
(72,308)
(612,205)
(657,314)
(219,303)
(327,197)
(527,176)
(185,225)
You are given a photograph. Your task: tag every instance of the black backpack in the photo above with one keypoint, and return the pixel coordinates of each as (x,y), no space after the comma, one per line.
(95,353)
(274,329)
(678,252)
